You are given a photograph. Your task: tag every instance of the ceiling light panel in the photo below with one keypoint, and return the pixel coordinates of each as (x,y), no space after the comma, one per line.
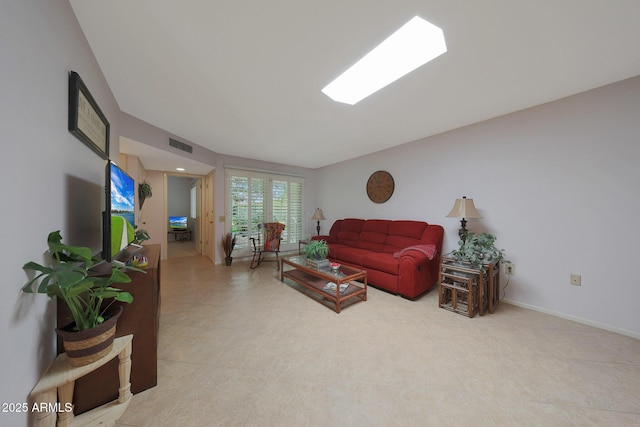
(414,44)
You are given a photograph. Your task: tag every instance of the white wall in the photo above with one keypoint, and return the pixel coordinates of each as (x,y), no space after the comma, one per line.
(153,215)
(559,184)
(40,42)
(179,196)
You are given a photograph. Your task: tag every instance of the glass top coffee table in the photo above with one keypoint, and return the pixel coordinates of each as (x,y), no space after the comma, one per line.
(349,282)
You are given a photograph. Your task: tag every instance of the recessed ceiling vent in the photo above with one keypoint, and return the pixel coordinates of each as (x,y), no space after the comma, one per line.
(180,145)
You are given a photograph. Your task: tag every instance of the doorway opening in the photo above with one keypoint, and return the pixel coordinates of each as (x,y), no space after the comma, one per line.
(184,195)
(189,209)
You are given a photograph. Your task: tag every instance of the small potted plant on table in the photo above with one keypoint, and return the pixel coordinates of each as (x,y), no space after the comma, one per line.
(316,252)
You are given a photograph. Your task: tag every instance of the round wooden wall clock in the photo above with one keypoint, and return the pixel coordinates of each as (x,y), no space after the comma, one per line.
(380,186)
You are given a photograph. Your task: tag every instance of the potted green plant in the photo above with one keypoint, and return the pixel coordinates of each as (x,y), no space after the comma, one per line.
(140,236)
(87,297)
(316,249)
(478,249)
(144,192)
(228,243)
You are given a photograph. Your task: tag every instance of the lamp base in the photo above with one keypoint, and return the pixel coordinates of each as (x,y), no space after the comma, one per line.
(462,233)
(318,228)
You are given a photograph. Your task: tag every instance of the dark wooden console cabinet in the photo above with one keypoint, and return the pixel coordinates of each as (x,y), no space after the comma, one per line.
(140,318)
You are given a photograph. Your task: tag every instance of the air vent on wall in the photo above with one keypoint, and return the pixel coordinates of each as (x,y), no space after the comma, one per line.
(180,145)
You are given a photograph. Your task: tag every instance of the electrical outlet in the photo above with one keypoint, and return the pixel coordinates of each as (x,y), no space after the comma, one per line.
(510,269)
(576,280)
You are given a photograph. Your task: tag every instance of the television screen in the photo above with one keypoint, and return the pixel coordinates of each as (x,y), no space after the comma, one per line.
(119,222)
(178,222)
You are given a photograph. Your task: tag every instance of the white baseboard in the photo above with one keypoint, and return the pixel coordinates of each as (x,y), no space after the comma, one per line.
(609,328)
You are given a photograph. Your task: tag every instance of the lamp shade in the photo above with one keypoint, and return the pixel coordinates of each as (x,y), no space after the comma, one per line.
(317,215)
(464,208)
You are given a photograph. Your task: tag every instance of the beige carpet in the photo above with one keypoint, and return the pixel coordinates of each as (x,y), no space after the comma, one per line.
(239,348)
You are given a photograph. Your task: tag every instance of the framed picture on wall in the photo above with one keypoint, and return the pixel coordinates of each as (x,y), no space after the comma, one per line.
(86,120)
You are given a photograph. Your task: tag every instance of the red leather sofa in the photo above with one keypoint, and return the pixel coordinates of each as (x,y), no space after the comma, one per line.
(401,257)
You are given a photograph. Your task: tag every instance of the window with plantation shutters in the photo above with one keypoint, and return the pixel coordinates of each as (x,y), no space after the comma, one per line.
(254,197)
(257,204)
(296,215)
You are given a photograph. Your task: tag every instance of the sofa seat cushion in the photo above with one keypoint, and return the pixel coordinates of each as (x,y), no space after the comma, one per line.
(369,246)
(348,254)
(335,249)
(382,262)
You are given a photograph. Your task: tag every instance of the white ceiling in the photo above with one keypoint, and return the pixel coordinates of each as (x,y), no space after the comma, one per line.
(244,78)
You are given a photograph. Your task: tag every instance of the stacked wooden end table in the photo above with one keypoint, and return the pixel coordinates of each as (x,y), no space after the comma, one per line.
(316,280)
(467,290)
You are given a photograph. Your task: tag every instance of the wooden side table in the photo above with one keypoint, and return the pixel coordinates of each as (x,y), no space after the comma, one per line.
(141,318)
(55,390)
(467,290)
(302,242)
(493,288)
(181,235)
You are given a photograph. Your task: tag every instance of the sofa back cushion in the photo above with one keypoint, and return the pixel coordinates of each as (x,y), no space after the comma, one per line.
(373,235)
(349,231)
(335,228)
(385,236)
(403,234)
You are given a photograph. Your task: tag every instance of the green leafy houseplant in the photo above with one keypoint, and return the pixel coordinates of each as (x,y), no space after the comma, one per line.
(140,236)
(144,192)
(317,249)
(478,249)
(69,280)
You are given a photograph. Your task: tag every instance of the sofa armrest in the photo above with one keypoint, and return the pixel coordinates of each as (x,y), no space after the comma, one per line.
(417,273)
(428,251)
(418,261)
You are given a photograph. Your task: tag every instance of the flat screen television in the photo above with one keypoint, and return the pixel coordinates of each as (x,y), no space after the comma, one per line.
(178,222)
(119,216)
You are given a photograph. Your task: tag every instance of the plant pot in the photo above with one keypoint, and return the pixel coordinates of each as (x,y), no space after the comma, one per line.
(85,347)
(227,260)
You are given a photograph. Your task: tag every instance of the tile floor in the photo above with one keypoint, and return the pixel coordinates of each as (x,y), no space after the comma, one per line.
(181,249)
(239,348)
